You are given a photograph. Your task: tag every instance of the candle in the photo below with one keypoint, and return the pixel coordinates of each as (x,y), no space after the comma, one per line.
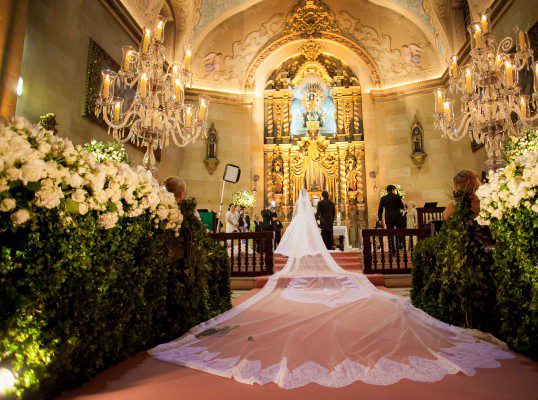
(439,101)
(522,41)
(127,61)
(201,110)
(536,73)
(455,67)
(143,85)
(117,109)
(159,31)
(468,81)
(448,113)
(498,61)
(523,108)
(106,87)
(187,62)
(179,90)
(485,26)
(188,118)
(478,36)
(509,74)
(174,71)
(145,42)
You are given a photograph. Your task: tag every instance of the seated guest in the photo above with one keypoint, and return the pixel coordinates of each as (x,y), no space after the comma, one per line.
(466,181)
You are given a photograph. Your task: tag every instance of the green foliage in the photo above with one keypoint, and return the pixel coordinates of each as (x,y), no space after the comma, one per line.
(516,146)
(48,121)
(516,278)
(107,151)
(452,272)
(76,299)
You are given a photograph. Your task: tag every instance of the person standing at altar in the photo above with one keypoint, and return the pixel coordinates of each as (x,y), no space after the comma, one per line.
(278,230)
(231,218)
(326,213)
(392,205)
(269,216)
(257,223)
(354,227)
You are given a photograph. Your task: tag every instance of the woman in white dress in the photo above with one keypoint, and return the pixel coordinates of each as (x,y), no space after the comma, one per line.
(315,322)
(231,224)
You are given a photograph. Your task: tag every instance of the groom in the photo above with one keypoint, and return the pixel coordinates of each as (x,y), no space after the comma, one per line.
(326,214)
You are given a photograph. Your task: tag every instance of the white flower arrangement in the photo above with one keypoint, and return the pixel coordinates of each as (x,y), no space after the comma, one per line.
(516,146)
(70,180)
(509,188)
(243,198)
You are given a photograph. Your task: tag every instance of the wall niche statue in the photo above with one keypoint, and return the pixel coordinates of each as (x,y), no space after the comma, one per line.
(277,173)
(211,161)
(418,155)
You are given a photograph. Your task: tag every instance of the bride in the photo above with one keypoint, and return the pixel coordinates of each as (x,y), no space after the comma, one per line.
(315,322)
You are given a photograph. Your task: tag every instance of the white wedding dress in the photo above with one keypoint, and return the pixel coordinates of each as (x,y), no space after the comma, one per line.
(315,322)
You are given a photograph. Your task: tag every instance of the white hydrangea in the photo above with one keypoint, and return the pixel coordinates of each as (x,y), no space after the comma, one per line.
(108,220)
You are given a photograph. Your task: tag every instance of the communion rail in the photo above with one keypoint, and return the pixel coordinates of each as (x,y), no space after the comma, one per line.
(426,215)
(389,251)
(251,253)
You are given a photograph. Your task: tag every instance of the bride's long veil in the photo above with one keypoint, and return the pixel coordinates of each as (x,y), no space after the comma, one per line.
(315,322)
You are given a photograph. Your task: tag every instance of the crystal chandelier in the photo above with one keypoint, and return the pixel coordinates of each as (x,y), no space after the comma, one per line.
(145,101)
(492,104)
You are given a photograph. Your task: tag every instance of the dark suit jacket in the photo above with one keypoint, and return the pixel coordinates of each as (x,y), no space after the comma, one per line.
(257,226)
(326,213)
(392,204)
(267,224)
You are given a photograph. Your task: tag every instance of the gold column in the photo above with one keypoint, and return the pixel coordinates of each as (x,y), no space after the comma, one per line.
(356,113)
(340,113)
(12,29)
(268,160)
(342,170)
(269,105)
(286,187)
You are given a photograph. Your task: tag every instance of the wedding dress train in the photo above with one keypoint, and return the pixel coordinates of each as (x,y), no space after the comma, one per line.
(315,322)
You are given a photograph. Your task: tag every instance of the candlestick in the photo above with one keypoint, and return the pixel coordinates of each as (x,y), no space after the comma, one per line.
(468,81)
(201,110)
(179,91)
(478,36)
(522,41)
(188,117)
(187,62)
(117,109)
(485,27)
(145,42)
(455,67)
(127,61)
(106,87)
(159,31)
(143,85)
(509,74)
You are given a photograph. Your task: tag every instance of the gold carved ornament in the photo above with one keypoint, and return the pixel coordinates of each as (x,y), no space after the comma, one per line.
(310,17)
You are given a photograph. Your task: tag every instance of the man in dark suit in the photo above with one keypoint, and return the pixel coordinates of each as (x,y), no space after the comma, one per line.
(326,213)
(392,204)
(269,216)
(257,223)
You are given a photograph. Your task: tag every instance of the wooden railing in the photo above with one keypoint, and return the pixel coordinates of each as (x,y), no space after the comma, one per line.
(389,251)
(251,253)
(426,215)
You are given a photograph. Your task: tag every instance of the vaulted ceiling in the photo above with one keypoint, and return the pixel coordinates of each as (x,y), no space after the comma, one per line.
(406,40)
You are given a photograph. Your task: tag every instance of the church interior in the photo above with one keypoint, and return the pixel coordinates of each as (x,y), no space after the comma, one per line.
(347,97)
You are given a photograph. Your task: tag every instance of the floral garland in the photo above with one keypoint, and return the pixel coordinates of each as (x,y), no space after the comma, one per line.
(509,188)
(107,150)
(399,191)
(40,171)
(243,198)
(516,146)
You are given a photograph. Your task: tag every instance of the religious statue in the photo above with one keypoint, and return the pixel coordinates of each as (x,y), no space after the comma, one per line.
(211,161)
(277,174)
(418,154)
(351,171)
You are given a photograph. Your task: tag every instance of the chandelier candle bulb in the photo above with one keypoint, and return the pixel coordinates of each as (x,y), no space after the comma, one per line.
(106,86)
(127,61)
(522,41)
(485,27)
(478,36)
(455,67)
(523,108)
(468,81)
(447,112)
(498,62)
(188,117)
(145,42)
(179,90)
(509,74)
(117,109)
(440,100)
(159,31)
(187,62)
(143,85)
(201,110)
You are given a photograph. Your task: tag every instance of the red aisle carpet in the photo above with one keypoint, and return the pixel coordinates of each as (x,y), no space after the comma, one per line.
(143,378)
(348,260)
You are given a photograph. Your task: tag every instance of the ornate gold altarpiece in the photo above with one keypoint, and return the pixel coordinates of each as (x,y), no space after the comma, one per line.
(316,156)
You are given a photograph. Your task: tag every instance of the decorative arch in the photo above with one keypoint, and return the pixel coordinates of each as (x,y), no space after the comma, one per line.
(368,62)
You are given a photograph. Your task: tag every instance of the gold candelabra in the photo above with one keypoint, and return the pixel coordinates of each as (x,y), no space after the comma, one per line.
(492,103)
(144,102)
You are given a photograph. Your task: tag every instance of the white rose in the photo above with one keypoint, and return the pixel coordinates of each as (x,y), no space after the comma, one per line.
(44,148)
(7,205)
(20,217)
(114,195)
(82,208)
(13,173)
(33,171)
(79,195)
(101,196)
(76,180)
(22,123)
